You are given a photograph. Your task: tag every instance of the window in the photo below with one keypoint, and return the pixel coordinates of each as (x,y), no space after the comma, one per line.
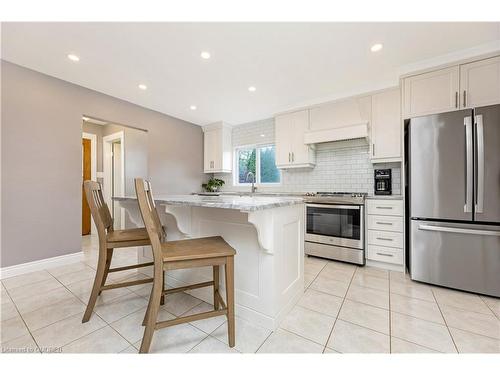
(259,160)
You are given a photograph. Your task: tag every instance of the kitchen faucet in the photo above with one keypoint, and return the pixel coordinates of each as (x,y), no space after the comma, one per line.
(254,188)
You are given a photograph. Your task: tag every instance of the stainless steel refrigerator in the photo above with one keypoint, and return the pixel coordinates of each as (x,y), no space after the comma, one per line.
(454,199)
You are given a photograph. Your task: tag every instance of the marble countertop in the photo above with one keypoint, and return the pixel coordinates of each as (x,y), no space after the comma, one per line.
(244,203)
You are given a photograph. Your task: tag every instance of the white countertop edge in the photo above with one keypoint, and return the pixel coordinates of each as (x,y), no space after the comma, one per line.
(244,204)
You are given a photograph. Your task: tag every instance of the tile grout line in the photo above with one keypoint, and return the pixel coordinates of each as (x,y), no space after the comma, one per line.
(263,342)
(24,322)
(341,305)
(390,316)
(489,307)
(445,322)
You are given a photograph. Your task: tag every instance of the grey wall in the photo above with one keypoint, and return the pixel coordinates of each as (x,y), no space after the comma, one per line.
(41,159)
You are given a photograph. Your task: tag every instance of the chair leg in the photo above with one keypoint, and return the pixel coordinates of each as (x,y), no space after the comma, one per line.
(109,256)
(98,281)
(152,316)
(230,300)
(216,285)
(148,309)
(162,299)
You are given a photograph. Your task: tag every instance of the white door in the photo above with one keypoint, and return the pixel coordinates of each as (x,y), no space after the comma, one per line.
(432,92)
(480,83)
(386,125)
(283,129)
(300,151)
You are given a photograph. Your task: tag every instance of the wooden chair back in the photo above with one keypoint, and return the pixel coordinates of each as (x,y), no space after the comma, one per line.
(150,217)
(98,207)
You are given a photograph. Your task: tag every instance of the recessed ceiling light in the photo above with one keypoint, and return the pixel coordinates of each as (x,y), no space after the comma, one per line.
(262,135)
(192,107)
(376,47)
(252,88)
(73,57)
(142,86)
(205,55)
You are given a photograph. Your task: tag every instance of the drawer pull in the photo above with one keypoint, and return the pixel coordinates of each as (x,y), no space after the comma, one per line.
(383,223)
(384,239)
(384,208)
(385,255)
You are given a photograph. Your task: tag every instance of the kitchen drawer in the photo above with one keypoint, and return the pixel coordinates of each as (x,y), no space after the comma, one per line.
(384,207)
(385,223)
(384,238)
(385,254)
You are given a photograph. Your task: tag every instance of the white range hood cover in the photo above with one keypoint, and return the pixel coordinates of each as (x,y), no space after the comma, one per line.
(337,134)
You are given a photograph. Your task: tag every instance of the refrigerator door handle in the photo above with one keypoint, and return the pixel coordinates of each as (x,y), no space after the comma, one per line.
(480,163)
(479,232)
(468,164)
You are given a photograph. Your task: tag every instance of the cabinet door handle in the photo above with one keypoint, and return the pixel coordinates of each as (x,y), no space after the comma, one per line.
(384,208)
(384,239)
(383,223)
(465,98)
(293,157)
(373,149)
(385,255)
(289,157)
(456,99)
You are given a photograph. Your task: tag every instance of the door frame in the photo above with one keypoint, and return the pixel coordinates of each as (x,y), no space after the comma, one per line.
(107,143)
(93,168)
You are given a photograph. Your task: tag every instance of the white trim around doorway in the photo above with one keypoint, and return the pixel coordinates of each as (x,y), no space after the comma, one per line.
(107,142)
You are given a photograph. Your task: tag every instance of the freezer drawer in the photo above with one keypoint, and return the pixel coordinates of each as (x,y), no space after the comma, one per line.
(460,256)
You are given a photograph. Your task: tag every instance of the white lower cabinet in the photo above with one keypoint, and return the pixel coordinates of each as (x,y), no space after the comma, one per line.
(385,241)
(385,254)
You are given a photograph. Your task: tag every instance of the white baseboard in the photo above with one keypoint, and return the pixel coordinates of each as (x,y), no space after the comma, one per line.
(38,265)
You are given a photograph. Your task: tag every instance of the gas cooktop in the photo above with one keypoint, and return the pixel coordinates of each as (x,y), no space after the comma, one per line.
(333,197)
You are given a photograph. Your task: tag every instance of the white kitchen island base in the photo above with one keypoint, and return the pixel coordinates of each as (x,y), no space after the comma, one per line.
(269,264)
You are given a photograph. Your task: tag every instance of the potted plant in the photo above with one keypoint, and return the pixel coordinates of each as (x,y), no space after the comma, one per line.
(213,185)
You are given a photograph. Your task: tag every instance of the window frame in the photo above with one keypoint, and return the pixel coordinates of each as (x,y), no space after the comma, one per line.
(257,147)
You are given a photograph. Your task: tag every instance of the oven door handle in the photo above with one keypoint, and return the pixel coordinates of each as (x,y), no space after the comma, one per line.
(346,207)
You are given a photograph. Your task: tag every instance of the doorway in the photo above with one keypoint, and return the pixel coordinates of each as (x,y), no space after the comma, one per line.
(89,166)
(86,148)
(114,174)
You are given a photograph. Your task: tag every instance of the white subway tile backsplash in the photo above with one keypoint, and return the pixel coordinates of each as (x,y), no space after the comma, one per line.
(340,166)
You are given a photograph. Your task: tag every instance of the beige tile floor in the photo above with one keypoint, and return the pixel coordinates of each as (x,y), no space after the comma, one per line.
(345,309)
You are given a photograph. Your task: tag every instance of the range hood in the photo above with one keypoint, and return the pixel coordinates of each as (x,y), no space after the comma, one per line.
(339,121)
(337,134)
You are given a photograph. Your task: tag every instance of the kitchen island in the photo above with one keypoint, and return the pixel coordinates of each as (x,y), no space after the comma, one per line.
(267,234)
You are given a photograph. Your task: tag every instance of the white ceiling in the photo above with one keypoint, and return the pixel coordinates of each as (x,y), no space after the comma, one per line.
(290,64)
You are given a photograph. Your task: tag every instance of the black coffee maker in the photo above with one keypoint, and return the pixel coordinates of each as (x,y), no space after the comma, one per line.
(383,182)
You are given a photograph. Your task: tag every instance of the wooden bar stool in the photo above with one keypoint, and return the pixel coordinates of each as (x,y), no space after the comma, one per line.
(183,254)
(110,239)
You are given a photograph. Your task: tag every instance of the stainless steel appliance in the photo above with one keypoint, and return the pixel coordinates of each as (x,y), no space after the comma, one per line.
(454,199)
(383,182)
(335,226)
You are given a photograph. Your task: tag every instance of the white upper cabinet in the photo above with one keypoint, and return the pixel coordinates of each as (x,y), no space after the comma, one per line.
(433,92)
(480,83)
(386,126)
(291,152)
(217,148)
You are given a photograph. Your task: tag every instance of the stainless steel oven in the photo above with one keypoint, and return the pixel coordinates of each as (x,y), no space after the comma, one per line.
(335,231)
